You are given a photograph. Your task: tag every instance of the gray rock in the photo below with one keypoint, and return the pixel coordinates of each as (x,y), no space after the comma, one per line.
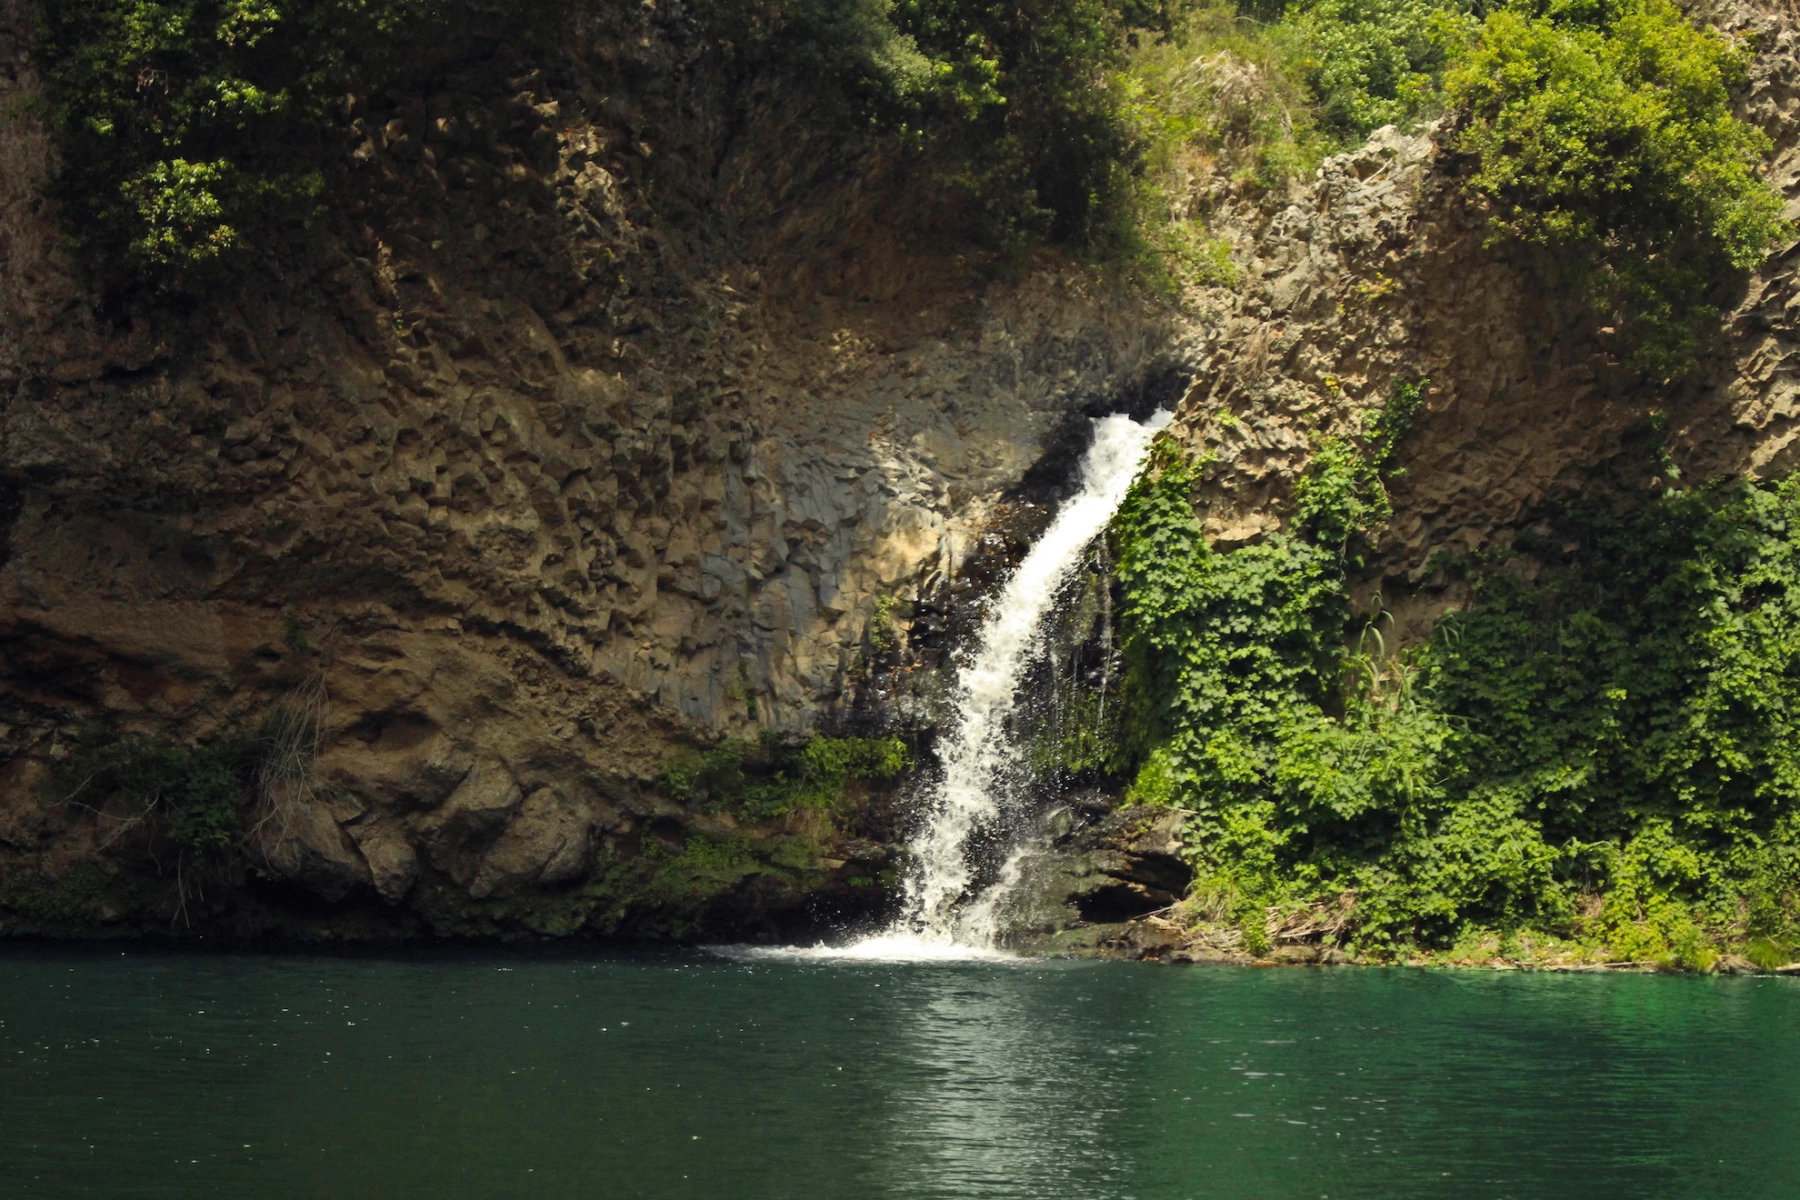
(1100,870)
(305,844)
(393,864)
(550,841)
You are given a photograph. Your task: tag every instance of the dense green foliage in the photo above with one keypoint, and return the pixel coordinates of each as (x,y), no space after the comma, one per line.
(194,128)
(1020,105)
(758,779)
(1601,128)
(1378,62)
(1269,90)
(192,798)
(1641,710)
(1607,755)
(1226,652)
(197,128)
(1605,127)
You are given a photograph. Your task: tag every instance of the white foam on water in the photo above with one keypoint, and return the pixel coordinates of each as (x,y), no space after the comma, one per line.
(881,947)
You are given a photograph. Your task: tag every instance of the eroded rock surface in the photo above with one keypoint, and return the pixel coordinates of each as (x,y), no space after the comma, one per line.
(1384,272)
(538,477)
(617,408)
(1095,869)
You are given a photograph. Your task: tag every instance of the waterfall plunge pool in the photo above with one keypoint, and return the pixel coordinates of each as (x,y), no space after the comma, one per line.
(558,1072)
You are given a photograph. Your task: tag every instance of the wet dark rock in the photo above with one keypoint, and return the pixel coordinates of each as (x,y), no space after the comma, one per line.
(1097,872)
(1207,954)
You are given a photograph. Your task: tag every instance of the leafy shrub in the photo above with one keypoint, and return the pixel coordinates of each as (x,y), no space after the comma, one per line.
(771,776)
(1221,92)
(1378,62)
(1261,102)
(1604,127)
(192,797)
(1269,92)
(192,128)
(74,898)
(1612,754)
(1645,704)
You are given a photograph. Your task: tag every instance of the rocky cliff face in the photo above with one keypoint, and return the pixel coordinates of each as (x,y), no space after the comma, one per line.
(601,416)
(1382,272)
(615,408)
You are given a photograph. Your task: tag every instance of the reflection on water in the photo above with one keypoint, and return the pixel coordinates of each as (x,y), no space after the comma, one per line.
(983,1098)
(994,1101)
(552,1074)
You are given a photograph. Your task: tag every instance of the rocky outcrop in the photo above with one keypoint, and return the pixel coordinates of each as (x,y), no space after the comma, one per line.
(1383,271)
(616,407)
(1093,870)
(604,413)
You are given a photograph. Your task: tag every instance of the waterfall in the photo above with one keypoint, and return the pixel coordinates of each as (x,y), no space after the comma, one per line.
(940,919)
(980,762)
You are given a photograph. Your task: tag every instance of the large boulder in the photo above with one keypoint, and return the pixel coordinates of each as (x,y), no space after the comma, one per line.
(1098,867)
(550,841)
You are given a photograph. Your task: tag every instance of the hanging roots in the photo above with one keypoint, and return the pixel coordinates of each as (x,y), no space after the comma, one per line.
(286,780)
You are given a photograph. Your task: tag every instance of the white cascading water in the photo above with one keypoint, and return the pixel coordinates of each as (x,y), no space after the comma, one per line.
(979,758)
(941,920)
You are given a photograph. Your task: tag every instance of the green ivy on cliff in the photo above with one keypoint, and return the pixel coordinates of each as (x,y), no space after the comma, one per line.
(1609,755)
(181,808)
(1640,712)
(1227,652)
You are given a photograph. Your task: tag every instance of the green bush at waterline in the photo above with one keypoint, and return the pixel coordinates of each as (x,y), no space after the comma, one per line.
(1610,754)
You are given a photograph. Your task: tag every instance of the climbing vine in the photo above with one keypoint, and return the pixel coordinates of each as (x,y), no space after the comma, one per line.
(1608,754)
(1225,650)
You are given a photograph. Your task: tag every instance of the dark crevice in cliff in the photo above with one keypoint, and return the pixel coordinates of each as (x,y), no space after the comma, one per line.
(1055,476)
(11,502)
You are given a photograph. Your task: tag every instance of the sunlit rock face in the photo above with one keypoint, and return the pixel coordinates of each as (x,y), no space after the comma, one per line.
(600,416)
(619,407)
(1383,271)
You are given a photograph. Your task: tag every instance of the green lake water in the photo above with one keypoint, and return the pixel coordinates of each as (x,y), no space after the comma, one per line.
(531,1073)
